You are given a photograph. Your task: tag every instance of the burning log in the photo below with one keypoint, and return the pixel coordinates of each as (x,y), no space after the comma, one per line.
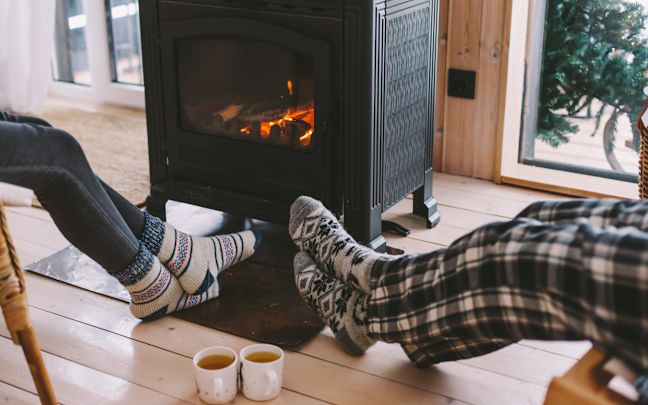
(274,134)
(294,127)
(230,112)
(267,121)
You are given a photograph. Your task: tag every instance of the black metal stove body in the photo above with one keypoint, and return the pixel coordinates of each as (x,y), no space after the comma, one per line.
(253,103)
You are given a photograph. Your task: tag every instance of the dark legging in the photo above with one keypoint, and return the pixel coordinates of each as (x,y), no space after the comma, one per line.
(90,214)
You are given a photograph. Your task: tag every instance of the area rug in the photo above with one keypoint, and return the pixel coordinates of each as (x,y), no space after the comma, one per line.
(258,299)
(116,146)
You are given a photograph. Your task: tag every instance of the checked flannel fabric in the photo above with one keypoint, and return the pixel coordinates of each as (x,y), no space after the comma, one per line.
(565,270)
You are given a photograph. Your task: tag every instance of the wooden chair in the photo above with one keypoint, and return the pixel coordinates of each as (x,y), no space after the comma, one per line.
(13,300)
(585,383)
(643,157)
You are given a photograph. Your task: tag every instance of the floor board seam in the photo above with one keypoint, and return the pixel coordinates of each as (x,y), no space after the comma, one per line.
(398,382)
(537,384)
(108,374)
(550,352)
(20,388)
(189,357)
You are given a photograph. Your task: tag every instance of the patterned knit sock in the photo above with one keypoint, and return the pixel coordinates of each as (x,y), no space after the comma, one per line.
(196,261)
(339,305)
(154,291)
(315,230)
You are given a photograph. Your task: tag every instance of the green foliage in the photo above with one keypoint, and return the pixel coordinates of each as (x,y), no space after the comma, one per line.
(592,50)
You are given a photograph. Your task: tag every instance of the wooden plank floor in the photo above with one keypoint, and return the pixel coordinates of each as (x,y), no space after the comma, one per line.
(97,352)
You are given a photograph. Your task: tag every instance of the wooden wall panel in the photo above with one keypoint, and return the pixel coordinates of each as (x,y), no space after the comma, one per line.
(442,49)
(464,30)
(484,127)
(499,132)
(475,42)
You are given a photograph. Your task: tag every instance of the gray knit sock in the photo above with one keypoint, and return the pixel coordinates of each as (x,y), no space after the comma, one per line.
(315,230)
(339,305)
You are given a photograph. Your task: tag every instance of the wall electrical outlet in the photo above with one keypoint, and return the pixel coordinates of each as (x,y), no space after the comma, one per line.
(461,83)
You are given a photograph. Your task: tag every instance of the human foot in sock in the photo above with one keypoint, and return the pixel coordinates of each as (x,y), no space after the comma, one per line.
(315,230)
(196,261)
(339,305)
(154,291)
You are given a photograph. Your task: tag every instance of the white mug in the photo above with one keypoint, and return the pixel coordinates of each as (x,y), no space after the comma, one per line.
(261,381)
(216,386)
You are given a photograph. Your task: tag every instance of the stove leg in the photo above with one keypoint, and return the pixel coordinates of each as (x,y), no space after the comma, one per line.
(424,204)
(365,225)
(379,244)
(156,206)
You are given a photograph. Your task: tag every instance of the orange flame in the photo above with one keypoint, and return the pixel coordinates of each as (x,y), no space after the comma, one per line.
(306,115)
(306,138)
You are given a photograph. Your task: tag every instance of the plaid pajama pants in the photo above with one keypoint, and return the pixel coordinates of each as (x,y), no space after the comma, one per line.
(560,270)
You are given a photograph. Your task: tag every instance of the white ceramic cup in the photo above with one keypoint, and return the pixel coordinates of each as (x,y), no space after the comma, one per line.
(261,381)
(216,386)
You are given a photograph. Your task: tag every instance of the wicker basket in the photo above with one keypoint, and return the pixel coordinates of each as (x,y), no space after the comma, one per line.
(643,157)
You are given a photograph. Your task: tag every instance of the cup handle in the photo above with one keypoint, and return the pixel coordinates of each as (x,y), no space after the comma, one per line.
(218,387)
(274,381)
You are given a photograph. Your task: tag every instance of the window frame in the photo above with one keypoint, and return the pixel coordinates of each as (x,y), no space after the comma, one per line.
(102,88)
(515,102)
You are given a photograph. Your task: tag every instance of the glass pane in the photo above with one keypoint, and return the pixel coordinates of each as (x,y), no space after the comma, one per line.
(125,41)
(587,85)
(247,90)
(71,55)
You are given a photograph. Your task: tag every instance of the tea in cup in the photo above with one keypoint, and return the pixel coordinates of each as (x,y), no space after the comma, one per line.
(216,372)
(261,371)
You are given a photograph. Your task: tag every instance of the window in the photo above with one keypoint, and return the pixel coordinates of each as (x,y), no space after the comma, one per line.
(71,55)
(98,52)
(585,88)
(576,82)
(125,44)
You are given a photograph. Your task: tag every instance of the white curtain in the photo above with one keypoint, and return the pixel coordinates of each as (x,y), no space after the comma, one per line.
(26,40)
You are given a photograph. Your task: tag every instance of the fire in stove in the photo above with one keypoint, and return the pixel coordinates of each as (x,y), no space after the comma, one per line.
(295,126)
(282,121)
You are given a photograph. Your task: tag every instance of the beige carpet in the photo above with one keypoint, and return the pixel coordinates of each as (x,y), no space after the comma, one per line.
(115,144)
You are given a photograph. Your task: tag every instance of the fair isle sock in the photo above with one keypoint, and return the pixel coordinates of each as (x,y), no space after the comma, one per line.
(196,261)
(339,305)
(154,291)
(315,230)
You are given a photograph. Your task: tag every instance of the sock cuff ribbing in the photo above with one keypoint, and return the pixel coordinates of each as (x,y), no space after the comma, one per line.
(153,233)
(141,265)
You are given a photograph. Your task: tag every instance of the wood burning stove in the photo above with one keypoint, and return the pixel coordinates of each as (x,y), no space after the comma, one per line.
(252,103)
